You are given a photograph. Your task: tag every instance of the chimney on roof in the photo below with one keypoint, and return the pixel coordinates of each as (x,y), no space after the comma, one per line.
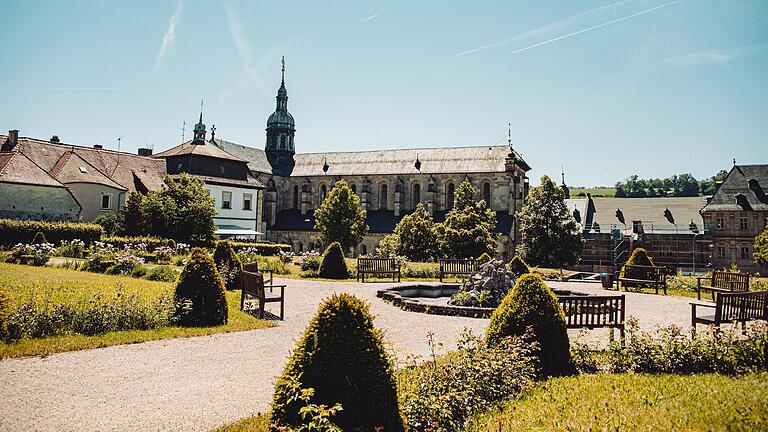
(55,139)
(13,139)
(98,146)
(145,152)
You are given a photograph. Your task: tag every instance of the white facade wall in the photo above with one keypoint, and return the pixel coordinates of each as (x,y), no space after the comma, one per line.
(89,195)
(23,201)
(235,215)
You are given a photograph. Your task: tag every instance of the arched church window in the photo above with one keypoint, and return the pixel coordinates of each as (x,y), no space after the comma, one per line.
(487,192)
(383,197)
(301,247)
(416,194)
(449,195)
(323,192)
(296,196)
(354,188)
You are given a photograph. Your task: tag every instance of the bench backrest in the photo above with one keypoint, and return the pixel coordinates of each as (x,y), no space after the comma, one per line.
(730,281)
(376,264)
(252,267)
(458,266)
(593,311)
(253,284)
(654,273)
(738,306)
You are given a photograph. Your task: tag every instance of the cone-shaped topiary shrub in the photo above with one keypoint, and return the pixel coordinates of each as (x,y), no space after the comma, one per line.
(639,257)
(484,258)
(532,303)
(200,296)
(39,238)
(341,357)
(518,266)
(228,264)
(333,265)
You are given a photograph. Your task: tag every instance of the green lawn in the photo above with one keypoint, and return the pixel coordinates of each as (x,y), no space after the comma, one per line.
(637,402)
(58,285)
(595,191)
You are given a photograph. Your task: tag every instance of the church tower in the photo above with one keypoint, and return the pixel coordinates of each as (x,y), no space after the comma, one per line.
(281,129)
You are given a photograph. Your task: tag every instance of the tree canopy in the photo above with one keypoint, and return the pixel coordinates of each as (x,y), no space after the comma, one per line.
(340,217)
(682,185)
(468,230)
(550,235)
(416,235)
(760,255)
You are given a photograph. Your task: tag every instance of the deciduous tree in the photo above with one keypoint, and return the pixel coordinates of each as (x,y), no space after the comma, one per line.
(340,217)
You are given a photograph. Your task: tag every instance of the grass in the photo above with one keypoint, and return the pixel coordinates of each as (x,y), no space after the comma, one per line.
(257,423)
(22,281)
(595,191)
(636,402)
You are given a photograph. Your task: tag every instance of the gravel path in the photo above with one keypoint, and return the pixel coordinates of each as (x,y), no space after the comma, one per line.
(197,384)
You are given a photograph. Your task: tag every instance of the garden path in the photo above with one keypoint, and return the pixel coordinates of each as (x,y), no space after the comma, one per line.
(197,384)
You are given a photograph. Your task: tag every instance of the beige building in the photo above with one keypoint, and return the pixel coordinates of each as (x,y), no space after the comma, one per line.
(736,214)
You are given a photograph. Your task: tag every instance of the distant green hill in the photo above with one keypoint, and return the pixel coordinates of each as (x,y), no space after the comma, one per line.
(595,191)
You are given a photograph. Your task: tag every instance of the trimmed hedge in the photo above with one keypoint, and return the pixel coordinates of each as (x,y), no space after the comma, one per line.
(200,297)
(39,238)
(532,304)
(518,266)
(484,258)
(342,357)
(639,257)
(18,231)
(264,249)
(228,264)
(333,265)
(151,242)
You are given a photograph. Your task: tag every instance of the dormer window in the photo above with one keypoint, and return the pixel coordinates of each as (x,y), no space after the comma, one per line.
(178,167)
(221,169)
(83,170)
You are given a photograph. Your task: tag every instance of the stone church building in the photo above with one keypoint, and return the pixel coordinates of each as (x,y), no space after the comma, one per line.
(390,183)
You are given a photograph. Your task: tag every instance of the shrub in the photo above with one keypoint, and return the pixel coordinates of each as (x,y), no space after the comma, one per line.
(71,249)
(484,258)
(228,264)
(532,304)
(127,264)
(111,222)
(200,296)
(341,356)
(309,261)
(39,238)
(15,231)
(447,392)
(264,249)
(162,274)
(671,350)
(518,266)
(36,254)
(333,265)
(148,242)
(639,257)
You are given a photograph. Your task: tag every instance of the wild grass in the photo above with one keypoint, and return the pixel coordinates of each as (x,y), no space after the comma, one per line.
(636,402)
(52,287)
(594,191)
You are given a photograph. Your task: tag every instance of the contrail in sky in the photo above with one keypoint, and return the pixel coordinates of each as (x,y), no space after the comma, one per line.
(594,27)
(543,29)
(170,35)
(376,14)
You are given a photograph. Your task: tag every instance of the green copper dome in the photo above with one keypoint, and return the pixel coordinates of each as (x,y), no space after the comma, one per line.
(281,117)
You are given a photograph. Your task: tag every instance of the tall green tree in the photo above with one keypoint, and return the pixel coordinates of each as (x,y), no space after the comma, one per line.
(134,219)
(195,208)
(467,231)
(760,254)
(417,237)
(340,217)
(551,237)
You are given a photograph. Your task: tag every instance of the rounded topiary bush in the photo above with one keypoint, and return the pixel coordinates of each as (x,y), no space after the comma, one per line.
(484,258)
(341,356)
(333,265)
(39,238)
(532,303)
(639,257)
(200,297)
(228,264)
(518,266)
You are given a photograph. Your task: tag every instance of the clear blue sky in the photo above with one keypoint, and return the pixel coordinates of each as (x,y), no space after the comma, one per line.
(606,88)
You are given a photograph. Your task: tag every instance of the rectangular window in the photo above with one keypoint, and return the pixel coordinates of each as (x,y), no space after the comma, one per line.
(666,250)
(226,200)
(221,169)
(247,198)
(743,224)
(106,201)
(744,252)
(720,223)
(721,251)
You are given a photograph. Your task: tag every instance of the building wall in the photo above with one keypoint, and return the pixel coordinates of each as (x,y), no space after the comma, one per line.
(89,195)
(21,201)
(733,236)
(248,219)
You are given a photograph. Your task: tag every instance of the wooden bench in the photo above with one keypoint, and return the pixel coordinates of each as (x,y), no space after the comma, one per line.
(377,266)
(732,307)
(594,312)
(457,267)
(638,276)
(722,281)
(253,286)
(253,267)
